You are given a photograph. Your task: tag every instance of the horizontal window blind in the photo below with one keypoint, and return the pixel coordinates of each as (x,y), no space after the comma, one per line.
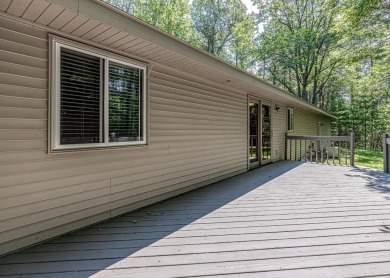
(80,98)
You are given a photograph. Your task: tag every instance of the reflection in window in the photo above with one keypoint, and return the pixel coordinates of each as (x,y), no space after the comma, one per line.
(266,132)
(125,108)
(290,126)
(253,131)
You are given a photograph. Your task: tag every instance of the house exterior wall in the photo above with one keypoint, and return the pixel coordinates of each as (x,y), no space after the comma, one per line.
(197,132)
(279,119)
(306,123)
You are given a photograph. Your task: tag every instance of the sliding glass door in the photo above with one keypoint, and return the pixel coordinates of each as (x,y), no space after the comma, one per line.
(259,121)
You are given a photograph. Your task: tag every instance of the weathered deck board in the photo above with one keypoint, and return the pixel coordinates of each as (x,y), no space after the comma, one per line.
(283,220)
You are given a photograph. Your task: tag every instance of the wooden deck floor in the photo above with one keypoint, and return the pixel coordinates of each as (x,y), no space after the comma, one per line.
(283,220)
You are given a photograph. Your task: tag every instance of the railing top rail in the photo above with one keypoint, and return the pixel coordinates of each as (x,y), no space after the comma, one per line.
(319,138)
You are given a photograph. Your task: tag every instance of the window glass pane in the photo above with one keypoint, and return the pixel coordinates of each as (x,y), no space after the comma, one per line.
(266,132)
(80,97)
(289,119)
(253,131)
(125,103)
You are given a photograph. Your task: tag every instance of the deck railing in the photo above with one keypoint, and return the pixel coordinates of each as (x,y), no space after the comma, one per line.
(321,149)
(386,153)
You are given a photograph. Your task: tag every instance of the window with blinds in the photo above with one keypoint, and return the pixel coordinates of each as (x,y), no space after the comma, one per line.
(80,98)
(98,101)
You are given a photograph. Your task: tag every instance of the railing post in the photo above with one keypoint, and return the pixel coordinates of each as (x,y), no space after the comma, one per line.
(385,154)
(352,158)
(285,146)
(295,156)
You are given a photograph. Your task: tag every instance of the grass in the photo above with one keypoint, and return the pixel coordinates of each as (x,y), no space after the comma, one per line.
(367,158)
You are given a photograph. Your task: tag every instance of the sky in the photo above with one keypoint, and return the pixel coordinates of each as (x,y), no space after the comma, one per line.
(249,6)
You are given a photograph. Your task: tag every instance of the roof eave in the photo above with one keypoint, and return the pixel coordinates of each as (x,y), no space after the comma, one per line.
(115,17)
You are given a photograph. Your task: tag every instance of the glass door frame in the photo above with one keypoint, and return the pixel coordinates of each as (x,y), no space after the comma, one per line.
(269,160)
(259,161)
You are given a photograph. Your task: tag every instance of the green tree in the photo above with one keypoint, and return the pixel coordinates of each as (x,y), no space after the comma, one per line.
(242,49)
(124,5)
(358,11)
(298,46)
(368,76)
(172,16)
(363,109)
(214,22)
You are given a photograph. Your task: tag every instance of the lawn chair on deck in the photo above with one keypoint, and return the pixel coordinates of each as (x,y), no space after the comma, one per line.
(317,151)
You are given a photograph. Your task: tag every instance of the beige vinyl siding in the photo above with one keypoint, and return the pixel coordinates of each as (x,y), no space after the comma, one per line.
(305,123)
(197,134)
(279,127)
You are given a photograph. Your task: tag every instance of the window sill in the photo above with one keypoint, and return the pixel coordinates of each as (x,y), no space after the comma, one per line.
(112,149)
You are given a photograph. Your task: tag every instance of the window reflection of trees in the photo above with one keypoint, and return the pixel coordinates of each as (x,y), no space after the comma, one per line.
(124,103)
(266,132)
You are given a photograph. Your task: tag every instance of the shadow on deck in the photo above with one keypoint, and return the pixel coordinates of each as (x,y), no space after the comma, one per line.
(286,219)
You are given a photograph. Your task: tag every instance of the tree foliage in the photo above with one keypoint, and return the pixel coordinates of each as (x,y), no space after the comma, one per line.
(297,47)
(172,16)
(366,86)
(242,49)
(215,22)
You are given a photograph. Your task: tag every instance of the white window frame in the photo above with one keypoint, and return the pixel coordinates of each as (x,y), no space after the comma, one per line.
(291,119)
(56,45)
